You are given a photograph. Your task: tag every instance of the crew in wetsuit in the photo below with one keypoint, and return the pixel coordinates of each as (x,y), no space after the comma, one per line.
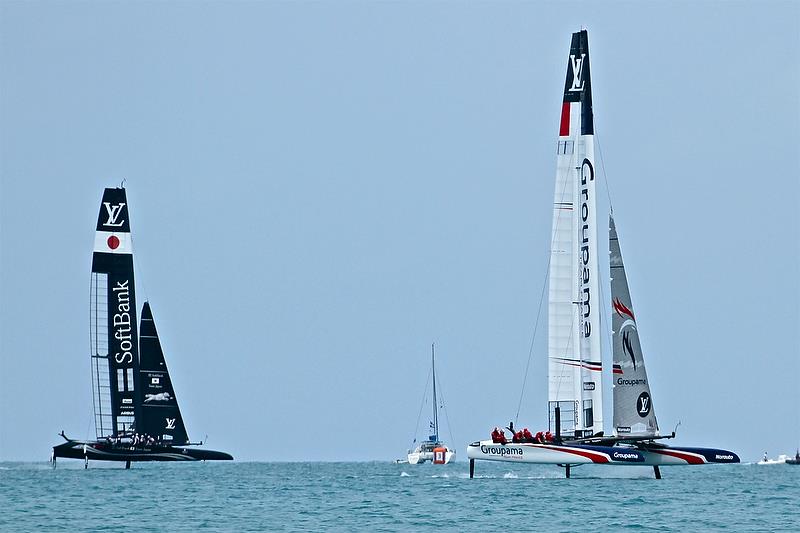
(500,437)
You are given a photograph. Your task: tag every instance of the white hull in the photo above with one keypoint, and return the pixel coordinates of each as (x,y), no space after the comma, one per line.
(415,458)
(779,461)
(536,453)
(590,454)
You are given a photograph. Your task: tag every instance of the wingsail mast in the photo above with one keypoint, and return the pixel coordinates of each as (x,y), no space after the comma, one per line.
(112,312)
(575,363)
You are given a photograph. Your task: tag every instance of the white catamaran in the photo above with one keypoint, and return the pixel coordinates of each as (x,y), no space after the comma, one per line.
(575,370)
(433,449)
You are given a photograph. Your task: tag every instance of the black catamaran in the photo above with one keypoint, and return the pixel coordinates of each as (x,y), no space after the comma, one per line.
(136,413)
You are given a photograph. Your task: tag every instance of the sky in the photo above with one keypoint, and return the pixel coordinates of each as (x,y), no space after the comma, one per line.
(318,191)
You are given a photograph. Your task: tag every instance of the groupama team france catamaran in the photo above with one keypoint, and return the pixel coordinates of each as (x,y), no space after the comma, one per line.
(135,410)
(575,370)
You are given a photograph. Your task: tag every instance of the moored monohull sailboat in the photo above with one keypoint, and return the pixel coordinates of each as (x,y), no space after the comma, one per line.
(575,371)
(136,413)
(432,449)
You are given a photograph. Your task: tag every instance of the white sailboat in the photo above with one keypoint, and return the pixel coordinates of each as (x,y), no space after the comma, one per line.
(575,370)
(433,449)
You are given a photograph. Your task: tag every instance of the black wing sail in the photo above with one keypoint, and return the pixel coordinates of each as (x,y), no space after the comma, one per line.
(161,417)
(112,313)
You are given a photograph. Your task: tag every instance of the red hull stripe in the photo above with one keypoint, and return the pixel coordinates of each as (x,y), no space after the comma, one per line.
(692,459)
(594,456)
(564,130)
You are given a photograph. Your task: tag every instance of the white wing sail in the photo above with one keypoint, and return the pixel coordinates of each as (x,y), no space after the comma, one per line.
(575,363)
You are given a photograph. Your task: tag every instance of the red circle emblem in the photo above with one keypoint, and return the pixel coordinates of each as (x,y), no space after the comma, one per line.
(113,242)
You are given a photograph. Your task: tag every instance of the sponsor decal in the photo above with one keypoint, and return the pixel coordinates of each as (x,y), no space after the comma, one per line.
(641,381)
(113,212)
(577,71)
(723,457)
(623,429)
(127,400)
(170,423)
(160,397)
(122,324)
(643,404)
(625,456)
(155,381)
(588,385)
(587,175)
(502,451)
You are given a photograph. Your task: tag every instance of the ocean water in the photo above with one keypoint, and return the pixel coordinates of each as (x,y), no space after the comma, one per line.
(239,496)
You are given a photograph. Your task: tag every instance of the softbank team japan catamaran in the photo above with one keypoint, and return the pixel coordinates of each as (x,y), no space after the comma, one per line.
(135,410)
(575,368)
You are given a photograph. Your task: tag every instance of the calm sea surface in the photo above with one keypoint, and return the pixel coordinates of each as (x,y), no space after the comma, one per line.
(387,497)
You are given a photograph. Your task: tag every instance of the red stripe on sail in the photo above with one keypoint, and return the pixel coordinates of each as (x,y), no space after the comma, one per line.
(564,130)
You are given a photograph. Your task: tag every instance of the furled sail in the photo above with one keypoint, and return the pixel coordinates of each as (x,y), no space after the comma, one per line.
(161,417)
(575,363)
(633,406)
(112,314)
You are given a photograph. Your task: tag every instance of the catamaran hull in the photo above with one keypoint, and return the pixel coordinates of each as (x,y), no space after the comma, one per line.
(99,451)
(416,458)
(687,456)
(554,454)
(566,454)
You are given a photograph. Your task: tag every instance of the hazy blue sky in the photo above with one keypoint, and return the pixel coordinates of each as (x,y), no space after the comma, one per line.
(320,190)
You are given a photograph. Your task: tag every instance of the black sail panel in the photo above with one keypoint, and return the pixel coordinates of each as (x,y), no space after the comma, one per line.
(113,325)
(578,87)
(161,417)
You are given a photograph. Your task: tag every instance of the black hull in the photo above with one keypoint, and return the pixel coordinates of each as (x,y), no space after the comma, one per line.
(104,451)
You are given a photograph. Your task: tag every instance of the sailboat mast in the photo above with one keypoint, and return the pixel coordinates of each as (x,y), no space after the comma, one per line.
(435,404)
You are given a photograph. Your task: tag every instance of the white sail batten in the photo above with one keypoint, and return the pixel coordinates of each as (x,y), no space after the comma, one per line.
(575,362)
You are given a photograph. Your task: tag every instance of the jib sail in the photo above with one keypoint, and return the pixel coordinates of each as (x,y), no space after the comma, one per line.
(161,417)
(633,406)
